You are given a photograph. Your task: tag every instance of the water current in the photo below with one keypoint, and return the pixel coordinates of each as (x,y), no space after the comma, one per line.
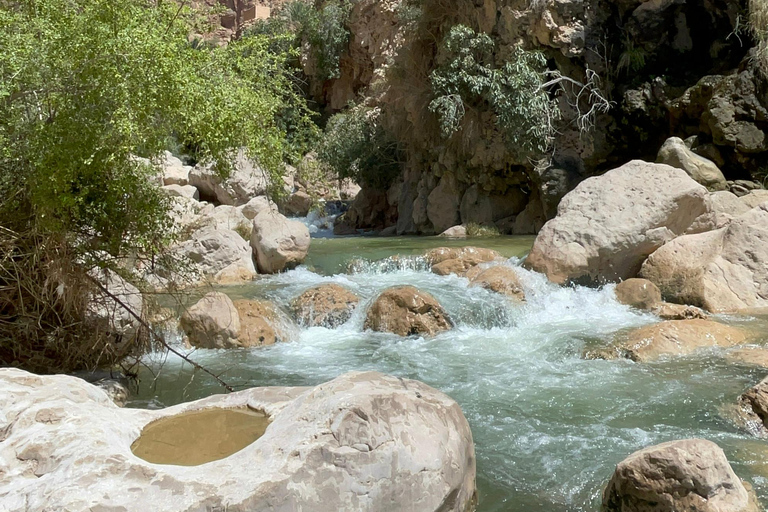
(548,425)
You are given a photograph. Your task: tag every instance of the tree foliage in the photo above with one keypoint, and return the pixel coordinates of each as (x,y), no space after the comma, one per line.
(466,77)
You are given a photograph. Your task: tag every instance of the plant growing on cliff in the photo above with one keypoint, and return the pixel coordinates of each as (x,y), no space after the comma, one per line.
(467,78)
(84,86)
(758,23)
(356,146)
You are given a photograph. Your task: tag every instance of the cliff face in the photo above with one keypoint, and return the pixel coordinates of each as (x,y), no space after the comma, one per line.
(667,67)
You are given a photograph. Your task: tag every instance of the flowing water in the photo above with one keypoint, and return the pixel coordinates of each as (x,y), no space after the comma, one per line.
(549,426)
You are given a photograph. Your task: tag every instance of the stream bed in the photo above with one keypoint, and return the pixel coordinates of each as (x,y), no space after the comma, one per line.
(548,425)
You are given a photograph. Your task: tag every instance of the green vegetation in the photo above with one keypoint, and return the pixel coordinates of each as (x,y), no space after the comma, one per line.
(466,77)
(321,30)
(758,23)
(84,86)
(356,146)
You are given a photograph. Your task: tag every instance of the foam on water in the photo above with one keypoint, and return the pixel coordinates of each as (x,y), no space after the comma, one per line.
(549,426)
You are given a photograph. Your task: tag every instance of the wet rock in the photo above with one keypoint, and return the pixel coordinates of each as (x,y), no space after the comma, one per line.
(498,278)
(327,305)
(278,243)
(457,260)
(754,401)
(455,232)
(687,475)
(638,293)
(668,311)
(213,322)
(676,338)
(406,311)
(608,225)
(754,356)
(217,255)
(675,153)
(721,270)
(245,182)
(363,441)
(261,323)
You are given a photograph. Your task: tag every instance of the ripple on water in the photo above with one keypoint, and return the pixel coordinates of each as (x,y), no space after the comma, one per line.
(549,426)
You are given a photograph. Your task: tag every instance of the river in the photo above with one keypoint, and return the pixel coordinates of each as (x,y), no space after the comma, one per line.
(548,425)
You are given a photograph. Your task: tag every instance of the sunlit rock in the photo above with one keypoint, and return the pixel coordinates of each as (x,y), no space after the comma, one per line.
(278,242)
(457,260)
(406,311)
(363,441)
(638,293)
(327,305)
(498,278)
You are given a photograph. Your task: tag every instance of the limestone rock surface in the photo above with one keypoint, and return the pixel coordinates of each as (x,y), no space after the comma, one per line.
(691,475)
(245,182)
(363,441)
(675,153)
(457,260)
(327,305)
(638,293)
(608,225)
(212,322)
(217,254)
(499,278)
(278,242)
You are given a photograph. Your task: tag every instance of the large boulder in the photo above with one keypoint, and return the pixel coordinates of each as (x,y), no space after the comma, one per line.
(115,310)
(721,270)
(257,205)
(218,255)
(457,260)
(212,322)
(675,153)
(261,323)
(406,311)
(298,204)
(174,190)
(363,441)
(691,475)
(638,293)
(443,204)
(245,182)
(608,225)
(278,243)
(499,278)
(230,218)
(174,170)
(675,338)
(327,305)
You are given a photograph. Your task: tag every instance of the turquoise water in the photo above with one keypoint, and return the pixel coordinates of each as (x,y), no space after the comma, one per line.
(549,426)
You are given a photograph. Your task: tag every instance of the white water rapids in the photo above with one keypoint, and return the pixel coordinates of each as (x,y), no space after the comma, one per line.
(549,426)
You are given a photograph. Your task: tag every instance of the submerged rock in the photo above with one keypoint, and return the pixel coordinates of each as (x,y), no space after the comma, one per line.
(457,260)
(406,311)
(638,293)
(691,475)
(667,311)
(327,305)
(498,278)
(608,225)
(278,243)
(261,323)
(363,441)
(674,337)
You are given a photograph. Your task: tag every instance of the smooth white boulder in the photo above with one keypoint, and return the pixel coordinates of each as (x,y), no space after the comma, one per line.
(245,182)
(216,254)
(182,191)
(363,441)
(174,170)
(278,242)
(608,225)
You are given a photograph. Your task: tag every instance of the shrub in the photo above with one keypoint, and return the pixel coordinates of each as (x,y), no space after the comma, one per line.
(356,146)
(467,78)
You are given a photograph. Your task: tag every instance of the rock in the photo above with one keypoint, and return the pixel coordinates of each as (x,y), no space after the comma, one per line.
(174,170)
(457,260)
(609,224)
(687,475)
(677,338)
(721,270)
(500,279)
(530,220)
(182,191)
(261,323)
(217,254)
(363,441)
(244,183)
(186,214)
(754,407)
(230,218)
(298,204)
(257,205)
(638,293)
(278,243)
(406,311)
(213,322)
(755,198)
(348,190)
(667,311)
(754,356)
(722,208)
(443,204)
(455,232)
(112,316)
(116,390)
(327,305)
(704,171)
(388,231)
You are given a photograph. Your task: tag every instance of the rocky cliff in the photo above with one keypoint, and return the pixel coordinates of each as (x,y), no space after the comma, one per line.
(626,76)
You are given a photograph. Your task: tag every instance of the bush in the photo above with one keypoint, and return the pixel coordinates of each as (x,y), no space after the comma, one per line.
(467,78)
(356,146)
